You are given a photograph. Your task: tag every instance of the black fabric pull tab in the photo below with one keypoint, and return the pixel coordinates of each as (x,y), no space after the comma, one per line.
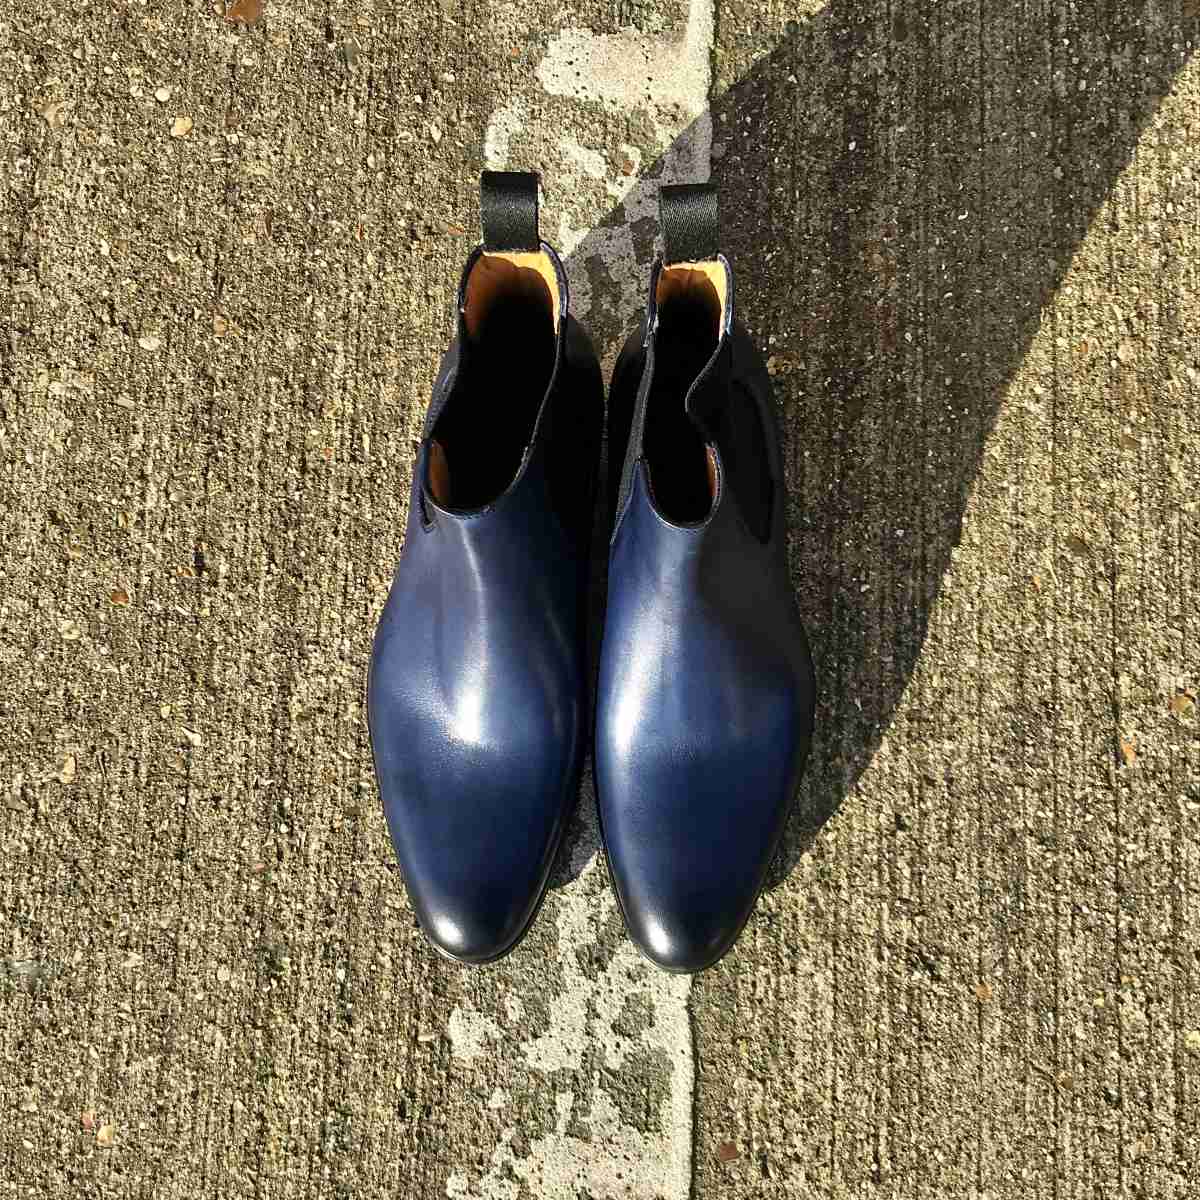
(508,210)
(687,213)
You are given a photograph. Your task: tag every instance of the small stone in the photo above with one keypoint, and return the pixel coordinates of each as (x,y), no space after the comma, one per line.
(105,1135)
(1125,352)
(69,630)
(193,738)
(163,95)
(223,974)
(245,12)
(182,126)
(66,772)
(1192,1041)
(727,1151)
(435,134)
(427,1036)
(150,341)
(220,325)
(983,990)
(55,113)
(119,596)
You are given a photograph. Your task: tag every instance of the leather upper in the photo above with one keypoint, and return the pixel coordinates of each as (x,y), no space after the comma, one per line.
(705,701)
(476,690)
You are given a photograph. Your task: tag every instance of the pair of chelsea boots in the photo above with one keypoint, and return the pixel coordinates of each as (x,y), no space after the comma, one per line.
(478,690)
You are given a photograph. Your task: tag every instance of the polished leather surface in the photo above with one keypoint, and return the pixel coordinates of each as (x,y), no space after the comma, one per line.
(705,701)
(477,690)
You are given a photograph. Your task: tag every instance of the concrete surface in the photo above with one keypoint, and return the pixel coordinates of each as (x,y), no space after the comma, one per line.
(969,234)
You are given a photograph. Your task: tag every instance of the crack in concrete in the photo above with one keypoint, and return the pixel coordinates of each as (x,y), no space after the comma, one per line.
(593,179)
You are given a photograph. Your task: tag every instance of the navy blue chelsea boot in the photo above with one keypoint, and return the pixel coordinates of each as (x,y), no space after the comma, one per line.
(706,693)
(477,688)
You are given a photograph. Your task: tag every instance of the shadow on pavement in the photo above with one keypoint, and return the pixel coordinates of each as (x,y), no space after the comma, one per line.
(903,186)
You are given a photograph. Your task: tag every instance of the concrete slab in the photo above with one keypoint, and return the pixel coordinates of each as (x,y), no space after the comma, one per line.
(960,226)
(227,258)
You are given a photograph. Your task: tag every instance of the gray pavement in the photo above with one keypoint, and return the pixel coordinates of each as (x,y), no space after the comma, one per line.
(968,235)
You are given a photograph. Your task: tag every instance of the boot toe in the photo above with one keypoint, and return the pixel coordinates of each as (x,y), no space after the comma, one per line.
(683,935)
(475,924)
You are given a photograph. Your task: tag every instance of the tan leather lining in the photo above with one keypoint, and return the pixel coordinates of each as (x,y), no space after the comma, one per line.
(707,278)
(439,474)
(528,273)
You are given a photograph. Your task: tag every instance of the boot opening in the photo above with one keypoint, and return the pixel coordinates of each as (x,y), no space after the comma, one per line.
(681,466)
(511,310)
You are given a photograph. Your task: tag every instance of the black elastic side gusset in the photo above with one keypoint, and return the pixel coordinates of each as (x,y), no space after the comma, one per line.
(573,434)
(746,467)
(625,420)
(689,388)
(737,429)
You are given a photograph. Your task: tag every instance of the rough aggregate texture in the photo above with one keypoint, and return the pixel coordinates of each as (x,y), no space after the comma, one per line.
(967,235)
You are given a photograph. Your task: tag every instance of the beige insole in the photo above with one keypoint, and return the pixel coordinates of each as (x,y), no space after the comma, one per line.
(528,273)
(707,279)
